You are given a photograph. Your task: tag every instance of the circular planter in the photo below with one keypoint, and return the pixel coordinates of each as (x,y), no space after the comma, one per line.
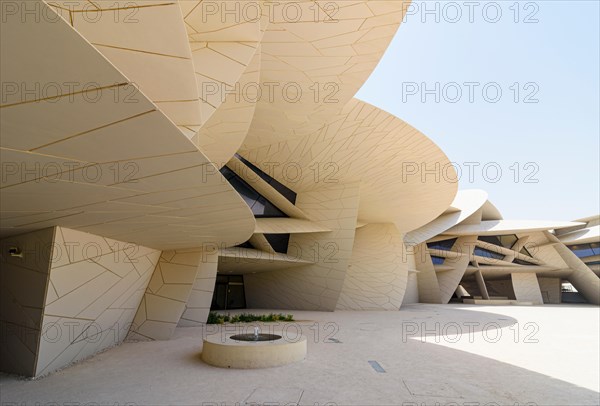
(224,352)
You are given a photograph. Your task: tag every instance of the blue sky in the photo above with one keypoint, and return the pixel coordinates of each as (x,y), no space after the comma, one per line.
(544,137)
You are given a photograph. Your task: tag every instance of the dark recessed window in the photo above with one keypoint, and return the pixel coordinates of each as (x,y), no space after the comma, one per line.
(524,251)
(284,190)
(260,206)
(521,262)
(592,263)
(279,242)
(245,245)
(482,252)
(437,260)
(585,250)
(445,245)
(506,241)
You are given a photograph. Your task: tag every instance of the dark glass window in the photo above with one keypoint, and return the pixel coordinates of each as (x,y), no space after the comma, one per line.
(245,245)
(593,263)
(260,206)
(506,241)
(445,245)
(524,251)
(521,262)
(437,260)
(586,250)
(279,242)
(284,190)
(482,252)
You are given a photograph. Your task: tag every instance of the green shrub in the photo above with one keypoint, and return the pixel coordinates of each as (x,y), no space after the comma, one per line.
(215,318)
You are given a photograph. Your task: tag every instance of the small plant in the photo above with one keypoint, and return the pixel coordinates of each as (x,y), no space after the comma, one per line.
(268,318)
(215,318)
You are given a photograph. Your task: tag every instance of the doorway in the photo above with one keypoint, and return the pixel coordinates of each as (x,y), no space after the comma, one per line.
(229,293)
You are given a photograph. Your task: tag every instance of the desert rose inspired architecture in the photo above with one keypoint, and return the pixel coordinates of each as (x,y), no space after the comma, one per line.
(162,158)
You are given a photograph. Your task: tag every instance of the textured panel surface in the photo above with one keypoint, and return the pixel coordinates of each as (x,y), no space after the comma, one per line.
(551,290)
(224,131)
(527,288)
(412,289)
(94,289)
(385,155)
(181,282)
(114,164)
(428,286)
(582,277)
(449,280)
(23,282)
(324,56)
(377,274)
(198,304)
(318,286)
(464,205)
(148,43)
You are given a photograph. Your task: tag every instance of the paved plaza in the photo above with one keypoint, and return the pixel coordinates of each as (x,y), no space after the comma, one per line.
(507,355)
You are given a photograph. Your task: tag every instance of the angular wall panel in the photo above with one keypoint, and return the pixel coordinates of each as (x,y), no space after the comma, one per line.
(224,131)
(318,286)
(449,280)
(94,289)
(412,290)
(23,282)
(181,283)
(582,277)
(551,290)
(527,288)
(149,44)
(69,296)
(377,275)
(428,286)
(198,304)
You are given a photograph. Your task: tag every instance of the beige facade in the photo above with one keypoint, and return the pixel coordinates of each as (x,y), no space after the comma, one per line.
(153,161)
(71,295)
(522,261)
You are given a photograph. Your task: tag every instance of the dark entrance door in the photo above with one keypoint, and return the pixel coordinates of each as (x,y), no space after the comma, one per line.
(229,293)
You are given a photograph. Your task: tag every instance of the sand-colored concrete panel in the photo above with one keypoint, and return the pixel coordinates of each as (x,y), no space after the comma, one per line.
(23,284)
(428,285)
(527,288)
(150,46)
(551,290)
(359,145)
(377,275)
(449,281)
(105,135)
(179,292)
(90,310)
(198,304)
(325,58)
(503,227)
(315,286)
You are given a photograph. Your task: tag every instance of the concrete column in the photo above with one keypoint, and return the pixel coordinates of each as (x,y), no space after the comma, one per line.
(527,288)
(460,292)
(481,285)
